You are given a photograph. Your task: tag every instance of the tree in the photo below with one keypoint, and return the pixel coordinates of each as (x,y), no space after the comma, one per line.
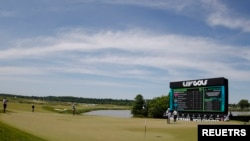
(243,104)
(158,106)
(139,108)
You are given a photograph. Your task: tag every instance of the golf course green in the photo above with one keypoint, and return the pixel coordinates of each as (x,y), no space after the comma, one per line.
(54,126)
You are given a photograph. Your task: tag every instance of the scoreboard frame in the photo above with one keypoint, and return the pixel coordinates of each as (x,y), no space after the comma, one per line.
(208,95)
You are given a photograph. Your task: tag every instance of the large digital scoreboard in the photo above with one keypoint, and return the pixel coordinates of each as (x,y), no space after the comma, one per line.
(200,96)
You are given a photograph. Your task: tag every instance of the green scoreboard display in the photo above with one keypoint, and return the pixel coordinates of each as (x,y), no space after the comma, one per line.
(200,96)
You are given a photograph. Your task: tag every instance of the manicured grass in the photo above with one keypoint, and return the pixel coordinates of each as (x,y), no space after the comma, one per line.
(8,133)
(66,127)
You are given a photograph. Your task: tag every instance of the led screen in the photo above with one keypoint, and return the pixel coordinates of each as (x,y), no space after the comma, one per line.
(201,96)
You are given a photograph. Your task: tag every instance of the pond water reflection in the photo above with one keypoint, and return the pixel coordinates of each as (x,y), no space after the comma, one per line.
(112,113)
(127,113)
(240,113)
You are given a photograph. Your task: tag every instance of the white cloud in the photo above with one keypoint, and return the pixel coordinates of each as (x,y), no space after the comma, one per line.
(219,19)
(75,52)
(221,16)
(215,13)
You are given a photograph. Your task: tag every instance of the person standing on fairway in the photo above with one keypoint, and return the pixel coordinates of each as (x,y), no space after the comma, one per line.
(33,107)
(175,115)
(4,104)
(168,114)
(74,109)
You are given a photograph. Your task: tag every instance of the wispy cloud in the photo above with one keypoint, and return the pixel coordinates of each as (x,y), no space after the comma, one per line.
(221,16)
(139,51)
(214,12)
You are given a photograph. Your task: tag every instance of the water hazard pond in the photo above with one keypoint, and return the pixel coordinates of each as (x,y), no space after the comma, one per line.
(127,113)
(112,113)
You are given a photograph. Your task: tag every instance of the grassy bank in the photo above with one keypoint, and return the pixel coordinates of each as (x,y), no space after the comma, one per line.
(8,133)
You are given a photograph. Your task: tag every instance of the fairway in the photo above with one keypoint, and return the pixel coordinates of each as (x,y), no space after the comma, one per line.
(65,127)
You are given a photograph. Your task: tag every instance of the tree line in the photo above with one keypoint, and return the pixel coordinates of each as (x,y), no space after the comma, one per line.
(72,99)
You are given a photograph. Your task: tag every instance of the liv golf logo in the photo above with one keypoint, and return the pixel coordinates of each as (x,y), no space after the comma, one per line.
(221,132)
(194,83)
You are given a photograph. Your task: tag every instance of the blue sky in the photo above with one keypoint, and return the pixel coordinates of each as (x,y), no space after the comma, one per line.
(120,48)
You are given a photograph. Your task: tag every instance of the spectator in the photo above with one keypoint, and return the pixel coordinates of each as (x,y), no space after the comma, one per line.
(168,114)
(33,107)
(4,104)
(175,115)
(74,109)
